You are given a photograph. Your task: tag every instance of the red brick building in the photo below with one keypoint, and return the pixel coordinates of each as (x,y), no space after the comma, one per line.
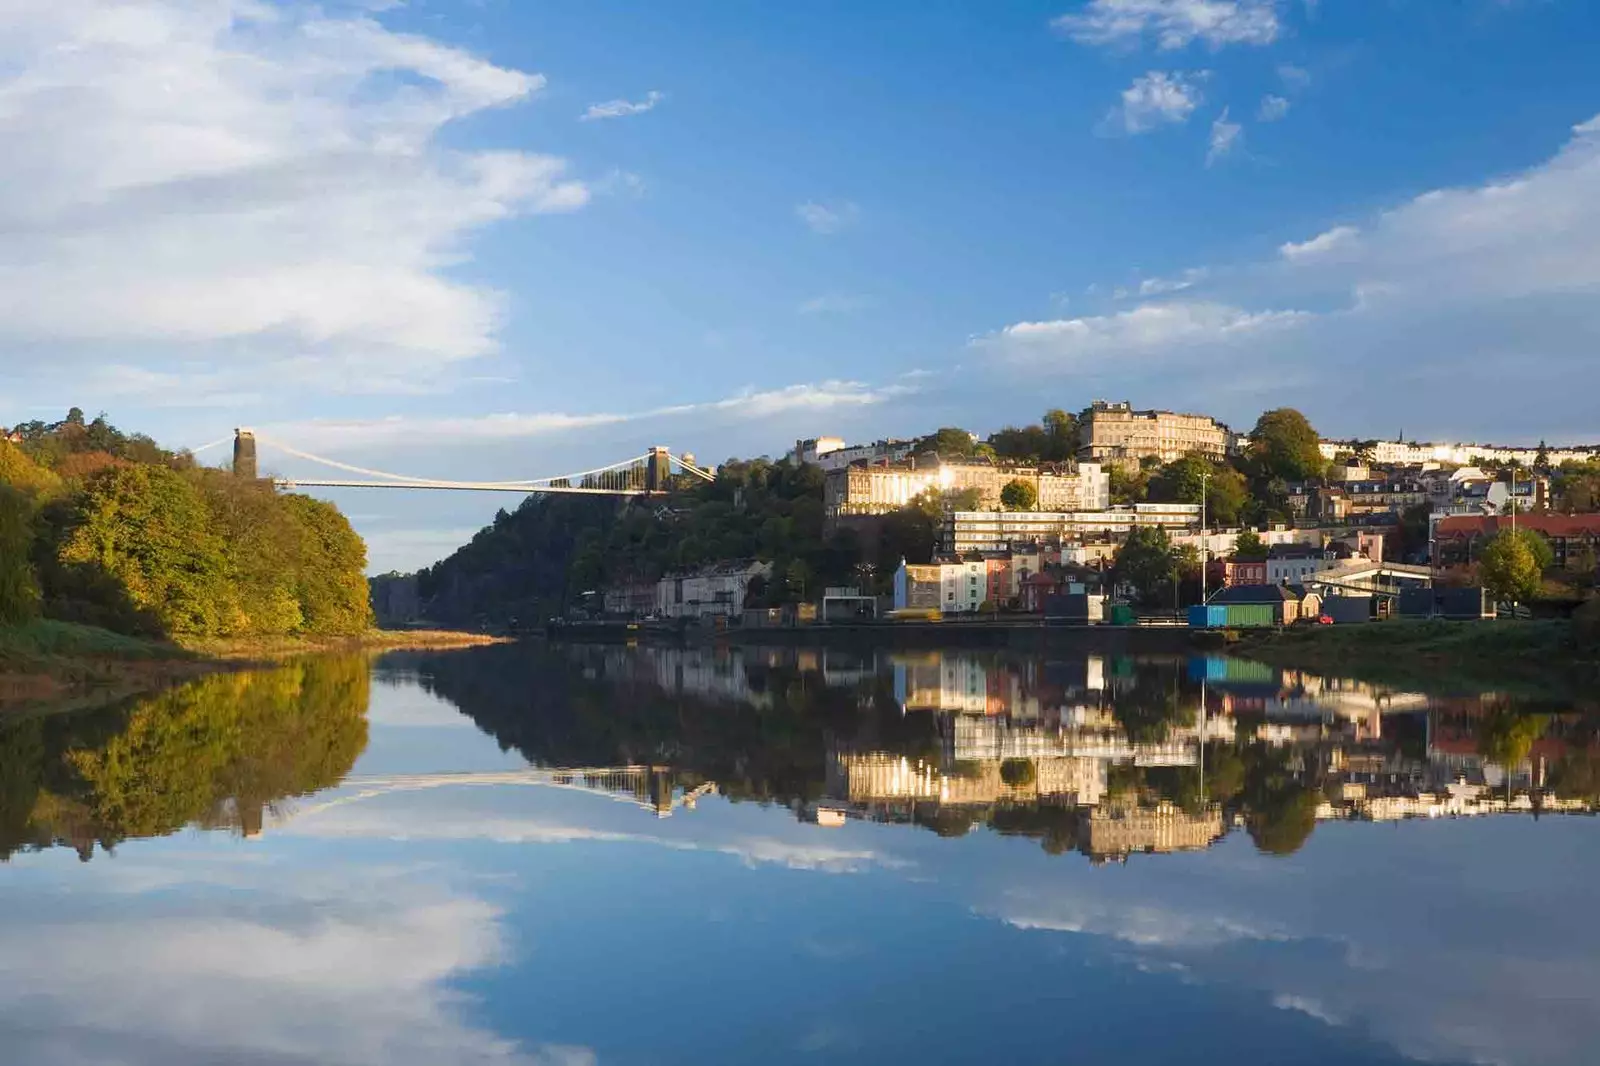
(1459,539)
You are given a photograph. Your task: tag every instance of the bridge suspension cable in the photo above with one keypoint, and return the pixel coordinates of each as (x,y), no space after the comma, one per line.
(627,477)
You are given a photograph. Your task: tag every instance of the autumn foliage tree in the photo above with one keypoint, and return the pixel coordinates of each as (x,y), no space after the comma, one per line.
(108,529)
(1512,564)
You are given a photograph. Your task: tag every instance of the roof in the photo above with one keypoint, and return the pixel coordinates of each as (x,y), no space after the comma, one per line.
(1254,594)
(1551,525)
(1296,551)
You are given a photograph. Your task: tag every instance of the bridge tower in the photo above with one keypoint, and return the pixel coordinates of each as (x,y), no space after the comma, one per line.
(244,454)
(658,469)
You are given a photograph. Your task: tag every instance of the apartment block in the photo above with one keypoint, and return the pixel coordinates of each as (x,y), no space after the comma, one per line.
(987,531)
(1116,434)
(878,488)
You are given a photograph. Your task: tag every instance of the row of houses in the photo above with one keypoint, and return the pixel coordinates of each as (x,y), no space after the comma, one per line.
(878,487)
(714,591)
(1355,494)
(1401,453)
(1574,539)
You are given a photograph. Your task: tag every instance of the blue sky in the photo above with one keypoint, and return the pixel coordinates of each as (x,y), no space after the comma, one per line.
(502,240)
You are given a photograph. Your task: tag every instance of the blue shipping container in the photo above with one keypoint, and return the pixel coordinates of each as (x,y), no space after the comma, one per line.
(1208,616)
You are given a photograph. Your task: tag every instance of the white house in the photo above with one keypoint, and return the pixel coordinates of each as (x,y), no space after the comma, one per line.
(711,591)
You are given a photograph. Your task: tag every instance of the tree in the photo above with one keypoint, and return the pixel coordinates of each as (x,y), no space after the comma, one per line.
(968,499)
(1027,444)
(1506,737)
(1188,479)
(19,585)
(1019,495)
(1541,460)
(1018,773)
(1146,560)
(1249,546)
(951,441)
(1283,445)
(1061,432)
(1512,564)
(149,529)
(1127,487)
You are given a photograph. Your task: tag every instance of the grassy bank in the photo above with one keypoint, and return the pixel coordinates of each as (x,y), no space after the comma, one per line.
(1530,657)
(61,666)
(274,649)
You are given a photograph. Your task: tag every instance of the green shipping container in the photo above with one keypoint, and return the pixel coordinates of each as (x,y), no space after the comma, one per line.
(1121,615)
(1251,615)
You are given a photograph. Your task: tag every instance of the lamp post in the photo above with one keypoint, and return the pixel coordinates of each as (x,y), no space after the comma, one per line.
(1205,539)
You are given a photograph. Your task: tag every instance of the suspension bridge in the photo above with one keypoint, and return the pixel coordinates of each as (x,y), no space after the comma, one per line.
(650,788)
(641,475)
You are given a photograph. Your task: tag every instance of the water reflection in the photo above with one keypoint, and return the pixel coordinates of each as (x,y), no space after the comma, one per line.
(1106,756)
(219,753)
(435,900)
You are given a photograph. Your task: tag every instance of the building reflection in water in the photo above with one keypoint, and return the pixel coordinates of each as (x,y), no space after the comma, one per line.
(1112,756)
(1103,755)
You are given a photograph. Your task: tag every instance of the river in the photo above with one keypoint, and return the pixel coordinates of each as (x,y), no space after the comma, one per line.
(584,854)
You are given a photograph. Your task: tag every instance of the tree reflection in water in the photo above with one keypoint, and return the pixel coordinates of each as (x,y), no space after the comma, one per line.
(217,753)
(1105,756)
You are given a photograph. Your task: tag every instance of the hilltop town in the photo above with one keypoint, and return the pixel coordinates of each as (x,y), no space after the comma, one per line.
(1107,515)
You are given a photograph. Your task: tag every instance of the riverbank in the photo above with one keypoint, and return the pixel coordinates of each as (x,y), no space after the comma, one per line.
(57,666)
(1539,657)
(276,649)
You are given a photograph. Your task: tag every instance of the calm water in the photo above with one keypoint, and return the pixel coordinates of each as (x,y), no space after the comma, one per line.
(610,855)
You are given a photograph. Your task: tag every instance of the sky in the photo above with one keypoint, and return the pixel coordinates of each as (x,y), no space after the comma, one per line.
(494,240)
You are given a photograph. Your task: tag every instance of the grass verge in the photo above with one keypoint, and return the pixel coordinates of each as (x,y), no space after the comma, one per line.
(1539,657)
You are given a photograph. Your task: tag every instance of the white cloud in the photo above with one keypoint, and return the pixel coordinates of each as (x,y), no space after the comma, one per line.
(234,184)
(1336,239)
(1159,286)
(1173,23)
(622,108)
(1225,137)
(827,218)
(1293,77)
(1154,99)
(354,979)
(833,303)
(1272,108)
(1150,329)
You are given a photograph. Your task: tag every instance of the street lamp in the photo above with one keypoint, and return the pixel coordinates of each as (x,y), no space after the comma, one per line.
(1205,540)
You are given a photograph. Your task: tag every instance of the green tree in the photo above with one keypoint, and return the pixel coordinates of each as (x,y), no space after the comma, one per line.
(1283,445)
(1506,736)
(1061,431)
(1193,477)
(950,441)
(1512,565)
(1019,495)
(1126,486)
(1249,546)
(1282,824)
(148,528)
(1018,773)
(969,499)
(330,585)
(19,585)
(1026,444)
(1146,560)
